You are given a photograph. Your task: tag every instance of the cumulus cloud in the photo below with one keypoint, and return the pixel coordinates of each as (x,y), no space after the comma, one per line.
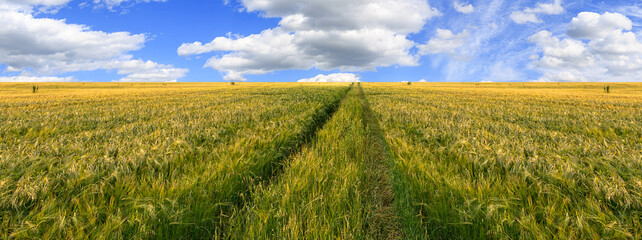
(401,16)
(589,25)
(36,79)
(463,8)
(567,53)
(45,46)
(325,34)
(155,75)
(611,52)
(271,50)
(145,71)
(530,14)
(49,45)
(337,77)
(444,42)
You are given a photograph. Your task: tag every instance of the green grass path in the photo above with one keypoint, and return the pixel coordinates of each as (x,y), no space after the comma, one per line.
(383,220)
(338,186)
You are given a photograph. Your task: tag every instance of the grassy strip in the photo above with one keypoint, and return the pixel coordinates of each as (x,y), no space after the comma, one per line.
(140,167)
(319,195)
(339,187)
(382,219)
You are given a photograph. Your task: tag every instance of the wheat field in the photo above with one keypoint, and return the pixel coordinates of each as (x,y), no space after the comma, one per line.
(320,161)
(516,161)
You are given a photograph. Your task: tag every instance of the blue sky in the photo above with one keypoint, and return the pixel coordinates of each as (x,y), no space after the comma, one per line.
(288,40)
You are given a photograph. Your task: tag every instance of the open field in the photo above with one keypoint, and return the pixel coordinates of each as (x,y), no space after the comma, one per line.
(142,161)
(510,161)
(320,161)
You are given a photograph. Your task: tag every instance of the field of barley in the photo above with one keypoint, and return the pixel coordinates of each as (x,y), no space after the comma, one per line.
(320,161)
(516,161)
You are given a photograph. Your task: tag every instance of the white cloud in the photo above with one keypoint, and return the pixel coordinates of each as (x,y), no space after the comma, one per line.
(156,75)
(31,45)
(49,45)
(337,77)
(271,50)
(444,42)
(562,76)
(53,5)
(617,44)
(111,4)
(45,3)
(36,79)
(29,5)
(611,54)
(548,8)
(561,53)
(362,49)
(400,16)
(324,34)
(463,8)
(530,14)
(523,17)
(589,25)
(422,81)
(145,71)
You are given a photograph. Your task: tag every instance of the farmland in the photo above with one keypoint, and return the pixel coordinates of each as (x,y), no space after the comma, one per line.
(145,162)
(320,161)
(514,161)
